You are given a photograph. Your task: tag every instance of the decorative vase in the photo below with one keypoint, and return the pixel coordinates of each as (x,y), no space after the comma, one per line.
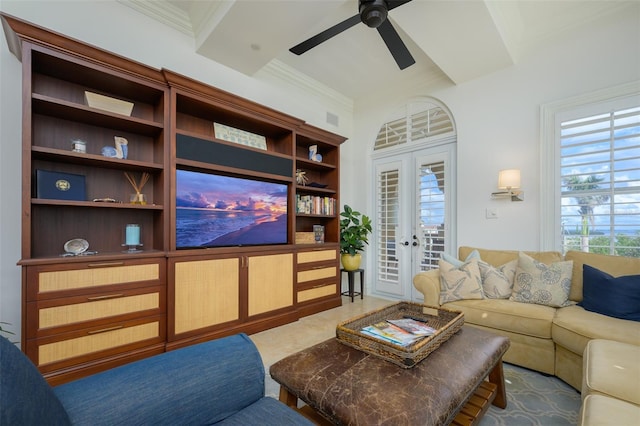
(351,263)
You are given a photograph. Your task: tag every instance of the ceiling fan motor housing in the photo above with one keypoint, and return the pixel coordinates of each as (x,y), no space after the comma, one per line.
(373,12)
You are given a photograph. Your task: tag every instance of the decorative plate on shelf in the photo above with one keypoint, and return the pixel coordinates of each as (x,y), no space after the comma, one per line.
(76,246)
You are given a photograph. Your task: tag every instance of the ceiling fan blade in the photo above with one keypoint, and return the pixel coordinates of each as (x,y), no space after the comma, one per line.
(325,35)
(395,45)
(392,4)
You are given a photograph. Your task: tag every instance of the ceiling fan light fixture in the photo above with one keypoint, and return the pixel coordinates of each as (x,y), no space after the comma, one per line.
(373,12)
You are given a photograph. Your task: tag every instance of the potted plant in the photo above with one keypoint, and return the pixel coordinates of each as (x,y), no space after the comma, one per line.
(354,229)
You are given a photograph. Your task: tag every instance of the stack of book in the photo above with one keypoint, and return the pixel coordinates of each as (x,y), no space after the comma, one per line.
(403,332)
(313,204)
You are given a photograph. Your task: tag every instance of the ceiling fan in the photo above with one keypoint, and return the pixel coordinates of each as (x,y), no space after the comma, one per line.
(374,14)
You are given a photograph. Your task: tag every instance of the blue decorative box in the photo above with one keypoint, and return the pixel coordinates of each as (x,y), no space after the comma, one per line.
(60,186)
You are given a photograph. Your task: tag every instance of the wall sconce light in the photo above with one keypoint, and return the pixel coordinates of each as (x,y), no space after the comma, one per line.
(509,179)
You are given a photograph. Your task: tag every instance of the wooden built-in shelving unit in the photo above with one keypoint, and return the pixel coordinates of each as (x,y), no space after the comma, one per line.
(84,314)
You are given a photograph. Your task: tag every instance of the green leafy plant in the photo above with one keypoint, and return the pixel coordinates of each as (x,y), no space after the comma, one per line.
(354,230)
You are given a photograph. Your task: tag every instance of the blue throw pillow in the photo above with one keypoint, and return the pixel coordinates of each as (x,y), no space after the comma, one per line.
(615,297)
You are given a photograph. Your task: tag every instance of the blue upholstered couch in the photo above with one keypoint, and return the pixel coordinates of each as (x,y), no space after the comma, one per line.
(221,381)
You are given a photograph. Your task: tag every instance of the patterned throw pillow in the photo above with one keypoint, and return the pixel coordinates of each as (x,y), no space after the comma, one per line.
(497,282)
(460,283)
(542,284)
(458,263)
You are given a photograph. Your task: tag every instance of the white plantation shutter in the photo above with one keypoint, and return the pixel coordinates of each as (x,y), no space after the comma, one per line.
(430,120)
(387,211)
(600,182)
(431,213)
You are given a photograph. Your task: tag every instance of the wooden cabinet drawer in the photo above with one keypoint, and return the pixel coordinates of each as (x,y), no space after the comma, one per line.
(51,281)
(317,256)
(82,346)
(51,316)
(316,292)
(317,273)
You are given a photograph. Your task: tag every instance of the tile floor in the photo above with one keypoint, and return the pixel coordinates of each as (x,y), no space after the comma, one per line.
(279,342)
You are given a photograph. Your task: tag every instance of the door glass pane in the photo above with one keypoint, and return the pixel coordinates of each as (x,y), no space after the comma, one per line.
(431,213)
(387,222)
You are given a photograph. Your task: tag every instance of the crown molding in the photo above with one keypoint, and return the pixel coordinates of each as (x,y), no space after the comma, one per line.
(289,75)
(164,12)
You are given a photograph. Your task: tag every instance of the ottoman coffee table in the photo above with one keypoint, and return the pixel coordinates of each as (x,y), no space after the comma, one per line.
(348,386)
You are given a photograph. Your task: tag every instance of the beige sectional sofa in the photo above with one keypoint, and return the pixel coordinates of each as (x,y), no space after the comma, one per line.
(543,338)
(610,384)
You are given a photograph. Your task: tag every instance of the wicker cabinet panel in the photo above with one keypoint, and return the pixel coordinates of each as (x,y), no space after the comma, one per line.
(317,274)
(94,276)
(270,284)
(92,342)
(206,293)
(316,292)
(97,307)
(316,256)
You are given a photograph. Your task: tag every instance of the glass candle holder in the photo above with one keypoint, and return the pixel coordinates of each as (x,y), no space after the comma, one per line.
(132,238)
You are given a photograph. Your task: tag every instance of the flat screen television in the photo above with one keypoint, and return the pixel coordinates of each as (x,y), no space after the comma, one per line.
(213,210)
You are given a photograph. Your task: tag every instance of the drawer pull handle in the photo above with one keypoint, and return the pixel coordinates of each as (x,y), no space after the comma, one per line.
(104,330)
(320,285)
(108,296)
(321,267)
(104,264)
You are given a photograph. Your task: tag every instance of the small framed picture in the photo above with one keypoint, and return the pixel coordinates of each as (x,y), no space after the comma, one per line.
(318,233)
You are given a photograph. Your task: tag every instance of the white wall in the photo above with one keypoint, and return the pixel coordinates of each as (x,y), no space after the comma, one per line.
(120,29)
(498,121)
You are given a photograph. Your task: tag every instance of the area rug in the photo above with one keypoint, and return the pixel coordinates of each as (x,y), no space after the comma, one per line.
(534,399)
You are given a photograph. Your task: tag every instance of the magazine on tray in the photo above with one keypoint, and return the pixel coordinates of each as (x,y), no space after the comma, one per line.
(413,326)
(403,332)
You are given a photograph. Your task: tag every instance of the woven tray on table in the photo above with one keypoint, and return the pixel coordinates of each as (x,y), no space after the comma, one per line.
(445,321)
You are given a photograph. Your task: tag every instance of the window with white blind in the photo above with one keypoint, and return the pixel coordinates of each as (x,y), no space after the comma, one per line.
(597,177)
(432,213)
(388,222)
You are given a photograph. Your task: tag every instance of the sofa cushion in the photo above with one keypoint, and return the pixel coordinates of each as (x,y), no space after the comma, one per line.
(459,283)
(599,410)
(613,265)
(497,281)
(25,397)
(502,314)
(612,369)
(573,327)
(536,282)
(616,297)
(500,257)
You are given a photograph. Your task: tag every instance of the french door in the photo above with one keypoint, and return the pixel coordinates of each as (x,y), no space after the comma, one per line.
(414,213)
